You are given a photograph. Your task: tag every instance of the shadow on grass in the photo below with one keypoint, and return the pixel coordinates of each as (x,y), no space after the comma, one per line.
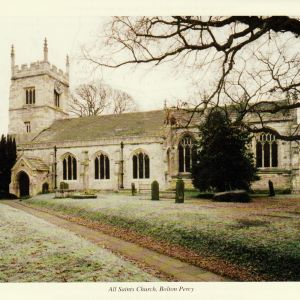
(7,196)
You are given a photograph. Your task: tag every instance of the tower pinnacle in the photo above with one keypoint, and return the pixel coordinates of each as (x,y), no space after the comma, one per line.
(45,50)
(12,53)
(12,56)
(165,104)
(67,64)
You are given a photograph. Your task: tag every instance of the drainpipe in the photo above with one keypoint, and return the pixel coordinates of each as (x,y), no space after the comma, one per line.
(55,168)
(122,167)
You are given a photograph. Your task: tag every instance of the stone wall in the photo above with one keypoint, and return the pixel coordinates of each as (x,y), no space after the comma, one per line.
(286,175)
(41,114)
(86,154)
(44,91)
(282,180)
(40,117)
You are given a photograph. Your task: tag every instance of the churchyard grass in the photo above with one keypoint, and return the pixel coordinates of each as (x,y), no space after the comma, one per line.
(263,235)
(33,250)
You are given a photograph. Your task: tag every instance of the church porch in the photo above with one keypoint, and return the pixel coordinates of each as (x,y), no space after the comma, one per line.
(30,176)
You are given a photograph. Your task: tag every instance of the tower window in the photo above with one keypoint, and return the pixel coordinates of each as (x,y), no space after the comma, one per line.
(58,90)
(266,151)
(30,95)
(56,98)
(27,126)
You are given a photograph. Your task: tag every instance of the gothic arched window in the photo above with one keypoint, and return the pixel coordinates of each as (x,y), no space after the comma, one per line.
(266,151)
(141,165)
(185,154)
(102,167)
(69,167)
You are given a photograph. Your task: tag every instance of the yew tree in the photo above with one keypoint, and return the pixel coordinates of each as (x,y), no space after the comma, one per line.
(222,160)
(8,155)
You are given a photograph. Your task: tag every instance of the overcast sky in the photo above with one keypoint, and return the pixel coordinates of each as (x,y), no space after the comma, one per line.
(66,35)
(34,20)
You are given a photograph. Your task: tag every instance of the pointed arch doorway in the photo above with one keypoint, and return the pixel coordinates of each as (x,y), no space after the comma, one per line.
(24,182)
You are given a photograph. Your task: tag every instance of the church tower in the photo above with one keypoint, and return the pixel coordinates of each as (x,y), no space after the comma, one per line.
(39,95)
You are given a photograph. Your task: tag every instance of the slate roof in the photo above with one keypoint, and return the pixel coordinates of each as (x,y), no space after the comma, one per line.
(134,124)
(137,124)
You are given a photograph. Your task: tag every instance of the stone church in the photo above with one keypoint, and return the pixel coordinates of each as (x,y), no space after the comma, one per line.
(110,152)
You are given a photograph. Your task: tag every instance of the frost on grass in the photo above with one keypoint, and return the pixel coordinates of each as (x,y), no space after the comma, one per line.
(262,235)
(268,223)
(34,250)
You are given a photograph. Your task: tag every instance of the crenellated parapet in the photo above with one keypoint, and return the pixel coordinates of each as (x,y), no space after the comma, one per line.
(39,68)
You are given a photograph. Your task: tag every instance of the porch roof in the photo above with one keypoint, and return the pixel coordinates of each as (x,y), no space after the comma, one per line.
(36,163)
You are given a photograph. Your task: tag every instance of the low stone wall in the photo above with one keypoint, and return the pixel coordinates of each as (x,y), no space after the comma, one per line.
(64,193)
(188,184)
(281,180)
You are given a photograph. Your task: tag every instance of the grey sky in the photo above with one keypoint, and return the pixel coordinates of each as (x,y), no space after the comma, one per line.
(66,35)
(33,20)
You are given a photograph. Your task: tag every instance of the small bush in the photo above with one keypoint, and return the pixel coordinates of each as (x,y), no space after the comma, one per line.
(64,186)
(179,196)
(154,190)
(232,196)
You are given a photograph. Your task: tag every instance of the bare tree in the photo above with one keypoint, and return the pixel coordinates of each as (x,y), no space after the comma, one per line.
(96,99)
(263,85)
(229,52)
(122,102)
(90,99)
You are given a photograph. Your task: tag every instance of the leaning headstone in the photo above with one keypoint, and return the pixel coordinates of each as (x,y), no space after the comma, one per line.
(154,190)
(271,189)
(179,197)
(133,190)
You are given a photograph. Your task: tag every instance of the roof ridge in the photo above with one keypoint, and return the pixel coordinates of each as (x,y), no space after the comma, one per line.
(112,114)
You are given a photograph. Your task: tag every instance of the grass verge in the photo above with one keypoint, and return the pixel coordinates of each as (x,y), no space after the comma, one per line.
(267,244)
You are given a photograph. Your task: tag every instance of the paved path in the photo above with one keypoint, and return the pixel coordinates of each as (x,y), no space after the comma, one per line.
(181,271)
